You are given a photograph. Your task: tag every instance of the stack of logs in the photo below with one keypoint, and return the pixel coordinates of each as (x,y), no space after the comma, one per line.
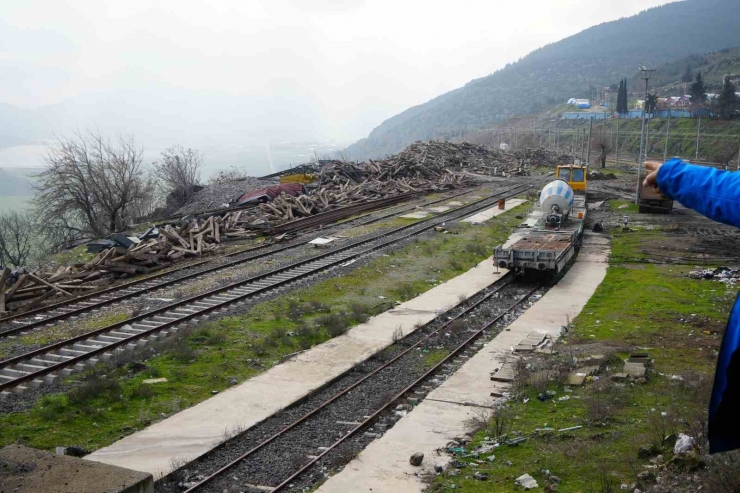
(23,290)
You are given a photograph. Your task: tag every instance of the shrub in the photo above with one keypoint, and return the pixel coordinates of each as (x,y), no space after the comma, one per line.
(477,248)
(143,391)
(182,352)
(359,312)
(335,323)
(277,336)
(405,291)
(319,307)
(456,264)
(95,386)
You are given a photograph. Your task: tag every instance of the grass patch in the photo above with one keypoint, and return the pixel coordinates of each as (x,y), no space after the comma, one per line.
(239,347)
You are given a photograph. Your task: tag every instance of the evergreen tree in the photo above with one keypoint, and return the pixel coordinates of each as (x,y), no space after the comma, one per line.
(651,104)
(698,92)
(687,74)
(727,101)
(622,100)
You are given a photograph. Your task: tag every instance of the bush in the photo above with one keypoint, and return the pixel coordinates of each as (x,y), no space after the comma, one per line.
(335,323)
(477,248)
(295,310)
(181,351)
(319,307)
(95,386)
(143,391)
(277,336)
(456,264)
(359,312)
(406,291)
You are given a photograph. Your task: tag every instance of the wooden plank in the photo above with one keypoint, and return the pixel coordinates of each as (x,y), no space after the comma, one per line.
(53,286)
(4,278)
(15,287)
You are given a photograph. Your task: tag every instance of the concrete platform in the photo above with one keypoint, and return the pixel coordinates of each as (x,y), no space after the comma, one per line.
(384,465)
(487,214)
(28,470)
(198,429)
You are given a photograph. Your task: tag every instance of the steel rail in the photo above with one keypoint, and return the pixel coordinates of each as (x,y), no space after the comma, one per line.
(123,296)
(504,281)
(341,253)
(339,213)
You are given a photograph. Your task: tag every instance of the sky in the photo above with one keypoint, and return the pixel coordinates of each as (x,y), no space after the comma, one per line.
(306,68)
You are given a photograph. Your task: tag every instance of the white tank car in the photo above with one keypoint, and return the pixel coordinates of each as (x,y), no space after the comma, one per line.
(556,201)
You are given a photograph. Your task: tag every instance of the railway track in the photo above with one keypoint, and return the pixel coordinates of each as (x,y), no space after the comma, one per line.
(51,314)
(45,365)
(278,456)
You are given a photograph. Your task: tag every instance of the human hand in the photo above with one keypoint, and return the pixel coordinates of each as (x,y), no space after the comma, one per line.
(651,180)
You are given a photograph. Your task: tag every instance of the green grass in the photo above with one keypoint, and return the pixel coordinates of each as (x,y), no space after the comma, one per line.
(653,308)
(240,347)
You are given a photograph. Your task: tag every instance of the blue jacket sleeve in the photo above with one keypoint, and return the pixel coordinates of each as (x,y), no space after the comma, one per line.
(710,191)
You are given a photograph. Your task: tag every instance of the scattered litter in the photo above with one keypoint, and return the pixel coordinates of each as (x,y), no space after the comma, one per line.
(724,275)
(684,444)
(572,428)
(321,241)
(349,263)
(526,481)
(154,380)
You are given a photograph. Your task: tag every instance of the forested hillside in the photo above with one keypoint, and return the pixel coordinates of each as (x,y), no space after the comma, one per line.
(598,56)
(713,67)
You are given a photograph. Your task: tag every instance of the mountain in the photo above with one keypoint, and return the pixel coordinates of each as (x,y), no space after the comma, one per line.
(598,56)
(13,185)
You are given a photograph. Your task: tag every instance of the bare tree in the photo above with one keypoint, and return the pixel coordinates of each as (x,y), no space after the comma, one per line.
(17,235)
(603,142)
(179,172)
(90,187)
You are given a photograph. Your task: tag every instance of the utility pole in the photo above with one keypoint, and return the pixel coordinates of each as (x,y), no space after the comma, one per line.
(646,75)
(590,129)
(698,129)
(667,129)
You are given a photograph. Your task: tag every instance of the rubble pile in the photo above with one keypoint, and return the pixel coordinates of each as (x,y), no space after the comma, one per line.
(724,275)
(220,195)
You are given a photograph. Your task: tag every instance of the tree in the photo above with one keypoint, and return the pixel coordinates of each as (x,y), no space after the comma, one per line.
(17,236)
(603,142)
(651,103)
(687,75)
(91,188)
(622,97)
(698,92)
(179,173)
(727,101)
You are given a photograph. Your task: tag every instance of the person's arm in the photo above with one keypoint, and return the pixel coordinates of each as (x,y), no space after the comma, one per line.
(709,191)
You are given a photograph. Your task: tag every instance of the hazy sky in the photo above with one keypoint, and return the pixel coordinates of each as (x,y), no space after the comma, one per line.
(352,63)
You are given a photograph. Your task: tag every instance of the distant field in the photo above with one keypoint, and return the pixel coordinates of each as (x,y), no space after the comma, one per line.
(14,202)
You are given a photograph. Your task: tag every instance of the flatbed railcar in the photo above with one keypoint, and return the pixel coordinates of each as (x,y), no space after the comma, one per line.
(551,234)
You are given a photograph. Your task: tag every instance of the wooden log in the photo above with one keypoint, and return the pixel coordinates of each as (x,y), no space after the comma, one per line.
(15,287)
(4,278)
(52,286)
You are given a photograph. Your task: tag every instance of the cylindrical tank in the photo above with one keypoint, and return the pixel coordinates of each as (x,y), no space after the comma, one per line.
(556,193)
